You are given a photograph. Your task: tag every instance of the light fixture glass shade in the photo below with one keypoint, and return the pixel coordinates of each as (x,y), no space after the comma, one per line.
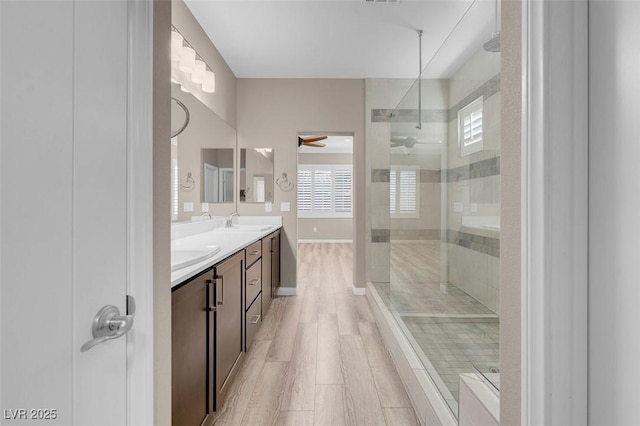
(187,59)
(197,76)
(176,45)
(184,89)
(209,83)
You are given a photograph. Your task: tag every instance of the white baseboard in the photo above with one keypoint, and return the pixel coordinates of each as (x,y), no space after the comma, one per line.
(359,291)
(325,241)
(287,291)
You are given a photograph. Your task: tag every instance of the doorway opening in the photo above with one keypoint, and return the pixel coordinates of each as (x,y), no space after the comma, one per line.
(325,205)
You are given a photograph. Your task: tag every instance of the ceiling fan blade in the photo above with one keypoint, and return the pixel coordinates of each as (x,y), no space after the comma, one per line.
(396,144)
(314,144)
(314,139)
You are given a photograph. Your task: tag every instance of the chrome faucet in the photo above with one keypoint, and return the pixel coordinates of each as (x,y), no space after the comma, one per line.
(206,214)
(229,223)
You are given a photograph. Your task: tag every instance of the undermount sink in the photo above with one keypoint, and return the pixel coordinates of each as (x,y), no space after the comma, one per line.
(183,258)
(246,228)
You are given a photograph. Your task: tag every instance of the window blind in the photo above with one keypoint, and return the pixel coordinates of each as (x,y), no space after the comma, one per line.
(404,191)
(325,190)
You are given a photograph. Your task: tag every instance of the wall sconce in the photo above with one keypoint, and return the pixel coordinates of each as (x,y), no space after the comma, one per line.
(186,61)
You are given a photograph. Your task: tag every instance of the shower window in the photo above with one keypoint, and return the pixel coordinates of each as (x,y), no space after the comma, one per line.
(470,128)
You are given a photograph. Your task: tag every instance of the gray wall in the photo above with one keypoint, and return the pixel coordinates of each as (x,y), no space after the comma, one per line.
(205,130)
(223,101)
(510,223)
(326,229)
(271,112)
(213,115)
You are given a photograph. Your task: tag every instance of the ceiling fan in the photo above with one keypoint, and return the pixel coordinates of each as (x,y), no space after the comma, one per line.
(312,141)
(408,141)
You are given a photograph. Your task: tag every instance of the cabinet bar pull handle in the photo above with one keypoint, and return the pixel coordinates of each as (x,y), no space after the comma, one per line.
(219,300)
(254,252)
(254,282)
(210,306)
(254,319)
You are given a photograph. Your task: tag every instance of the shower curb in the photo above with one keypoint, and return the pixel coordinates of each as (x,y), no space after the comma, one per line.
(427,402)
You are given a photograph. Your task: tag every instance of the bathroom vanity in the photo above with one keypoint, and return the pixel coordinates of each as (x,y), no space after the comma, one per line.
(218,304)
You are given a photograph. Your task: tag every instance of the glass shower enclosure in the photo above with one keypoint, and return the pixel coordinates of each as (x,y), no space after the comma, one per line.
(444,215)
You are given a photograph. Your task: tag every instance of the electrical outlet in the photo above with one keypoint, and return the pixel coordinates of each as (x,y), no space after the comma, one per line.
(458,207)
(268,207)
(188,207)
(205,207)
(285,207)
(315,229)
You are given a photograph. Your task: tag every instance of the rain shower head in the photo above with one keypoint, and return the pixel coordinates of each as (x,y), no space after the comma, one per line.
(493,44)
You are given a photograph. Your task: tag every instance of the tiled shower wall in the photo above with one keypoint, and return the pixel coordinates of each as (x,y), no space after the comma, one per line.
(382,95)
(471,183)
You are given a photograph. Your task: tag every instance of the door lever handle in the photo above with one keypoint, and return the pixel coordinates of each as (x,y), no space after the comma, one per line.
(108,324)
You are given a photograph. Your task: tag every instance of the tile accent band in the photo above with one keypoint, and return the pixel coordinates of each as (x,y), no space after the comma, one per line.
(479,243)
(426,176)
(387,115)
(479,169)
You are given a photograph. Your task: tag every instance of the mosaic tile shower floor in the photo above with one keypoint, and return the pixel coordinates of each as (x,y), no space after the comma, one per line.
(450,331)
(455,345)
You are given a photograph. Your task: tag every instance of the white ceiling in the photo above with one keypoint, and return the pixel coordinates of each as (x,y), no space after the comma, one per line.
(343,38)
(333,145)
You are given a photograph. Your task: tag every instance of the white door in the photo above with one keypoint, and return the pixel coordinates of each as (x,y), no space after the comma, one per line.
(614,201)
(67,225)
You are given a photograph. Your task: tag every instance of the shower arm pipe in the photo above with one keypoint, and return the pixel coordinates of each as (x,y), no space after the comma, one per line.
(419,126)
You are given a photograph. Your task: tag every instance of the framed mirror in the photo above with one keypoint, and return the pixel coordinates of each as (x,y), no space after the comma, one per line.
(217,175)
(256,175)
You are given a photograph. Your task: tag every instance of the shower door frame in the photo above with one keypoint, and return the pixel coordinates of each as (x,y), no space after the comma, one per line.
(554,212)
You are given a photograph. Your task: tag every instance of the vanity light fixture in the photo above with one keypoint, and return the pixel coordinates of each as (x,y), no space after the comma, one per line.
(187,59)
(186,63)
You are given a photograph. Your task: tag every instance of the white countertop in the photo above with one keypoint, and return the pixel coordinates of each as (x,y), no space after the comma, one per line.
(198,234)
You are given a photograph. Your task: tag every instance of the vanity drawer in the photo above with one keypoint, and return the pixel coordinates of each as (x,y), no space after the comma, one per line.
(253,320)
(254,252)
(254,282)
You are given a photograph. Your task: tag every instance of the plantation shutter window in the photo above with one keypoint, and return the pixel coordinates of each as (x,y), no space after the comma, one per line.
(325,191)
(404,192)
(470,128)
(304,191)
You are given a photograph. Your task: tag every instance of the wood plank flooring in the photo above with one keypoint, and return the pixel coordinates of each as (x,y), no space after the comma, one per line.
(318,358)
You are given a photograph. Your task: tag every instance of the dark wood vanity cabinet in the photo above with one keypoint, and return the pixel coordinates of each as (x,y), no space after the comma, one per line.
(215,317)
(206,339)
(192,350)
(275,262)
(229,280)
(270,268)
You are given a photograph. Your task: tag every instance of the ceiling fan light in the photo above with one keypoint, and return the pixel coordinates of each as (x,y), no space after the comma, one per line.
(199,70)
(187,59)
(176,45)
(209,83)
